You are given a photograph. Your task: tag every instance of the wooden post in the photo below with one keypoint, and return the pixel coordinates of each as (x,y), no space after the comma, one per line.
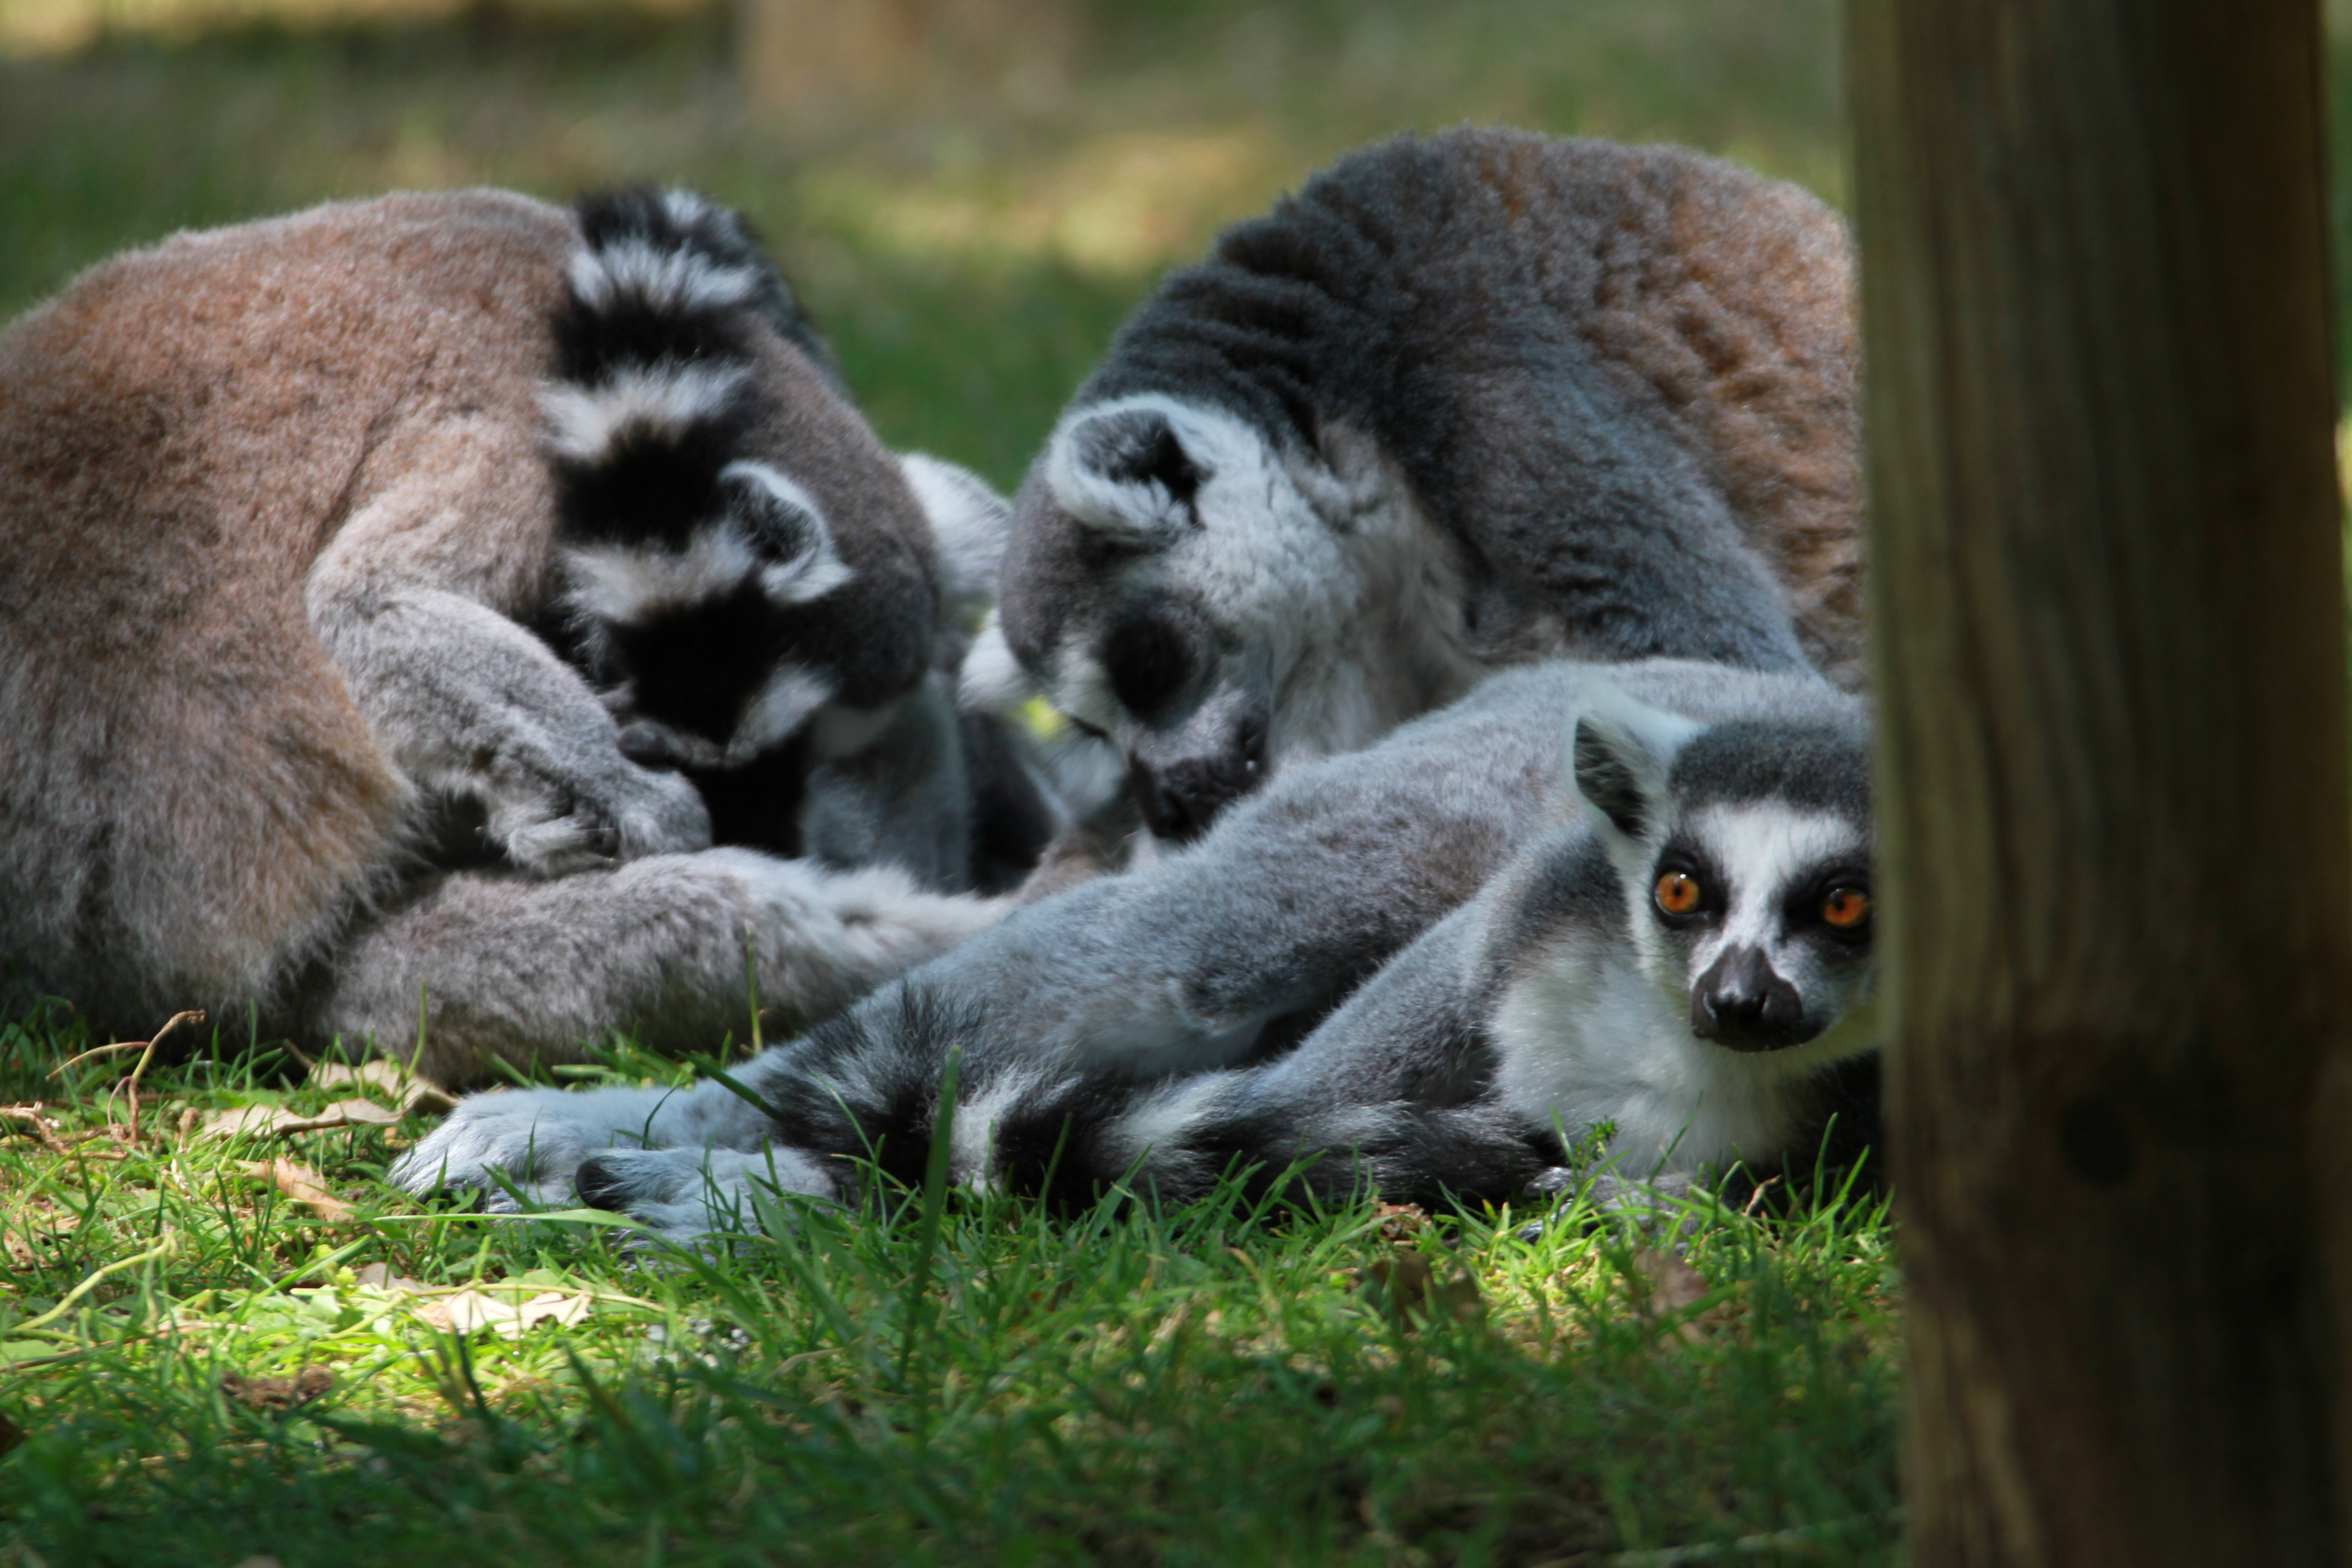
(2110,643)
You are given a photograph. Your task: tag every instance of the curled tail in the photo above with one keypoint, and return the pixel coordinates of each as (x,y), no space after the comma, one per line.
(1028,1124)
(655,394)
(687,557)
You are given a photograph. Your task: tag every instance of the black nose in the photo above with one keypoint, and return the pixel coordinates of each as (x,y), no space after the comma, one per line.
(1741,1002)
(1180,799)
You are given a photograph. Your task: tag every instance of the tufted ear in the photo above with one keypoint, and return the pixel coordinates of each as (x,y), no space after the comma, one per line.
(992,677)
(969,521)
(1619,753)
(1130,470)
(797,562)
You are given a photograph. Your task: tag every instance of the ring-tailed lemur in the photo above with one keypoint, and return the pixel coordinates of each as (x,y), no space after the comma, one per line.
(1461,402)
(1673,939)
(282,507)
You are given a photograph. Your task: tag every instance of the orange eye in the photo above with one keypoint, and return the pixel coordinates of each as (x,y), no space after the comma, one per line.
(1677,892)
(1847,907)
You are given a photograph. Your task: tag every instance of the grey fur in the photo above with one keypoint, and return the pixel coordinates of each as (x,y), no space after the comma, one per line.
(1113,1027)
(283,513)
(1461,402)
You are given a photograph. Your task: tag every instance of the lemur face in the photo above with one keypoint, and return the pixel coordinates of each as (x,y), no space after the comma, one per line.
(1211,605)
(1761,915)
(1744,853)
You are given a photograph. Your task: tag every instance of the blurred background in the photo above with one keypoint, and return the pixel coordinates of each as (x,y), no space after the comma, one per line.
(970,193)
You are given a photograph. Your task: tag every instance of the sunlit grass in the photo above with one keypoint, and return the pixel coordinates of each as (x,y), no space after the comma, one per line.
(1195,1387)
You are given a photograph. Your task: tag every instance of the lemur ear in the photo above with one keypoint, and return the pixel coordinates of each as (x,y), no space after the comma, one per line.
(1127,471)
(992,677)
(797,562)
(1619,753)
(969,521)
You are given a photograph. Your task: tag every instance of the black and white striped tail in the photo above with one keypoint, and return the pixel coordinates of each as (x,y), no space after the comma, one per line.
(1028,1126)
(655,387)
(687,555)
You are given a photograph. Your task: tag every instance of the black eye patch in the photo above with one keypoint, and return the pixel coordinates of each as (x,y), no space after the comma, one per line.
(1150,660)
(1808,908)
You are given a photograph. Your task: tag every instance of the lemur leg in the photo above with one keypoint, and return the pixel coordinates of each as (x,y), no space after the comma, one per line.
(465,700)
(668,948)
(681,1160)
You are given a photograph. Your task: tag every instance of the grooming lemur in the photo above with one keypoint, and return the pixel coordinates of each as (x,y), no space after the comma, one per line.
(1461,402)
(368,576)
(1673,938)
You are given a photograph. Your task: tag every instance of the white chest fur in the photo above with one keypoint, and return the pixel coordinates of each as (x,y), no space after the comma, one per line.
(1586,1038)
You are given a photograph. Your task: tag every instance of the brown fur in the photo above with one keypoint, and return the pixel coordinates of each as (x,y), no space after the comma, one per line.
(1746,325)
(193,805)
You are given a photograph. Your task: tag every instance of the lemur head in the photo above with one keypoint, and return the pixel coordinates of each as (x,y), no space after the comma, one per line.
(752,580)
(1215,601)
(1743,849)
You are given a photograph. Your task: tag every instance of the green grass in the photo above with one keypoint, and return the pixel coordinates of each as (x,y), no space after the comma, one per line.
(970,261)
(1196,1387)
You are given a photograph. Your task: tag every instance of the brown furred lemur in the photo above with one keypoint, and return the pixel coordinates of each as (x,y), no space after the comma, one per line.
(394,596)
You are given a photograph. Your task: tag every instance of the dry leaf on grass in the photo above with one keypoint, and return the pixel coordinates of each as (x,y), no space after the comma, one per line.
(277,1121)
(404,1089)
(1409,1291)
(1673,1286)
(380,1277)
(407,1091)
(468,1310)
(278,1393)
(301,1183)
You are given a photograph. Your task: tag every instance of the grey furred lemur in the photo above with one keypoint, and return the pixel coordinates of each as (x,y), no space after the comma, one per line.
(1637,896)
(1461,402)
(394,598)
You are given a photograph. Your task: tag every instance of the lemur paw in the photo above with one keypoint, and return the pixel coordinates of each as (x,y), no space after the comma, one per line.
(634,812)
(512,1146)
(690,1197)
(661,814)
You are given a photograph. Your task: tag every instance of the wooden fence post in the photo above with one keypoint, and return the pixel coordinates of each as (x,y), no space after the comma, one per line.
(2110,648)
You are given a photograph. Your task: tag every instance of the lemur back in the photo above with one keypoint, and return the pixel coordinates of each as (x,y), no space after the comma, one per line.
(1461,402)
(286,509)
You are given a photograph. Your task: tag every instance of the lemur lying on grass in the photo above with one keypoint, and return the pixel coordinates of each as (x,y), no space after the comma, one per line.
(1638,897)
